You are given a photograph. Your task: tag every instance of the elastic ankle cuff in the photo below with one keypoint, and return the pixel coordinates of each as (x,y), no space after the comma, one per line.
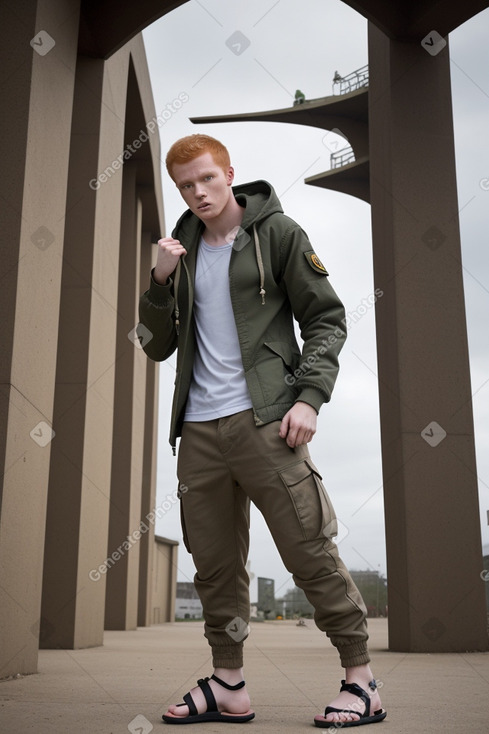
(229,656)
(353,654)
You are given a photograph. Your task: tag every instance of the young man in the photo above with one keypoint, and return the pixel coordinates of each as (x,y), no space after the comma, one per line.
(225,290)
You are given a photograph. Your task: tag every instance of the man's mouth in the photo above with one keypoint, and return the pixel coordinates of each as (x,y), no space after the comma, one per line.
(205,205)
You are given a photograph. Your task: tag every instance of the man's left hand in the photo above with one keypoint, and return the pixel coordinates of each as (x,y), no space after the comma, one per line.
(298,424)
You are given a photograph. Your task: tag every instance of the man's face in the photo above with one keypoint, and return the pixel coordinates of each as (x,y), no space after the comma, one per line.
(204,186)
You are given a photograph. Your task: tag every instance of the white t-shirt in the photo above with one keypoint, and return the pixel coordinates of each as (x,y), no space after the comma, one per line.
(218,386)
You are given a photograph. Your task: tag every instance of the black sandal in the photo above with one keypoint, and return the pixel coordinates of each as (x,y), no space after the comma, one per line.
(365,718)
(212,713)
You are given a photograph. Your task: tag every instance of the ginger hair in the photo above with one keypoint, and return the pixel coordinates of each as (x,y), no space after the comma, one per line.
(192,146)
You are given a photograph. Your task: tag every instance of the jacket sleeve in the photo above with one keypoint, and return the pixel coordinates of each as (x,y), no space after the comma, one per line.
(156,313)
(319,313)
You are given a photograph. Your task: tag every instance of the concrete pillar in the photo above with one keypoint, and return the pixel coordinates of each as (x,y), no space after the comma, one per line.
(39,53)
(79,486)
(436,597)
(121,610)
(150,451)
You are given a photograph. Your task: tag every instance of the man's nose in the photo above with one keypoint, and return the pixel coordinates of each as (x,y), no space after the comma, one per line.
(199,192)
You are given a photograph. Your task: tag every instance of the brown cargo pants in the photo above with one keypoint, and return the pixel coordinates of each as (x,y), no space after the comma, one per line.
(222,465)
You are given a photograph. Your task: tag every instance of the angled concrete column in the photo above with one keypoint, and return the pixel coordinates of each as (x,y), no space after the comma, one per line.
(434,557)
(79,485)
(37,92)
(121,611)
(150,451)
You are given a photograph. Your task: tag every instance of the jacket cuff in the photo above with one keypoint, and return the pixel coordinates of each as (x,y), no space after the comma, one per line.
(312,397)
(158,294)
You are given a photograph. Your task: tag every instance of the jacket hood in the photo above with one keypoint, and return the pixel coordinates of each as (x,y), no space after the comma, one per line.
(258,198)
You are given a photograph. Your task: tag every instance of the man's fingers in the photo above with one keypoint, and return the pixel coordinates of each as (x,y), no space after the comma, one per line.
(298,425)
(168,241)
(169,251)
(297,438)
(284,426)
(293,436)
(169,245)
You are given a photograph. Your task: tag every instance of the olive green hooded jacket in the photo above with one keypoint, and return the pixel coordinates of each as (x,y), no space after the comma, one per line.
(274,277)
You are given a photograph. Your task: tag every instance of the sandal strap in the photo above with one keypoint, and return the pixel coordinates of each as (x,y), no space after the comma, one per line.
(356,690)
(208,694)
(226,685)
(192,709)
(332,709)
(207,691)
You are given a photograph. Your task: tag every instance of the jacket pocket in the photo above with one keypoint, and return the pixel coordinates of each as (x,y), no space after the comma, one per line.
(312,505)
(286,352)
(274,371)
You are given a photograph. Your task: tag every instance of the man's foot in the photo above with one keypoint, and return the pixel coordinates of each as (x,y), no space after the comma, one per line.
(214,699)
(358,701)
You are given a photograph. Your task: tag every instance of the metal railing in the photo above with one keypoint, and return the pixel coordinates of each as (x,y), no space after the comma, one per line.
(356,80)
(342,157)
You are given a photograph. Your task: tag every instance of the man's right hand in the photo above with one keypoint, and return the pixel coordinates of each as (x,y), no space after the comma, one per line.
(169,252)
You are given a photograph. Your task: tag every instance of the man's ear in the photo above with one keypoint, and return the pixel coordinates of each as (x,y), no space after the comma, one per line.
(230,176)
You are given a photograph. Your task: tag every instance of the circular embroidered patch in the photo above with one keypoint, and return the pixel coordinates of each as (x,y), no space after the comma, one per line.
(315,262)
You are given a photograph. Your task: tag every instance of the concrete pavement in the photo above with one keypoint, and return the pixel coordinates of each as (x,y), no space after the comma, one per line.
(292,672)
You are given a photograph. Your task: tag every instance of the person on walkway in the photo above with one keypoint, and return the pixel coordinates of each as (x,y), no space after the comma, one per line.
(224,293)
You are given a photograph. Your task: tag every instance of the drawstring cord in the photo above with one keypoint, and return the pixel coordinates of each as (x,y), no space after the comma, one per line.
(175,291)
(259,261)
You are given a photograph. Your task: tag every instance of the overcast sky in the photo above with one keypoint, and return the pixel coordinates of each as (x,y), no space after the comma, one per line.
(243,57)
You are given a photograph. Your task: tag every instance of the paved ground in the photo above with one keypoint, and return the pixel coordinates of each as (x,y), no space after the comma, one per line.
(291,673)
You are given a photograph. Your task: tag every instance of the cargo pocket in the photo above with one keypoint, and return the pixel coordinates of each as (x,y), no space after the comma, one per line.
(310,500)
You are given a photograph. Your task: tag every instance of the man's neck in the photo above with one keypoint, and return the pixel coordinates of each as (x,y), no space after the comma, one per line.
(224,228)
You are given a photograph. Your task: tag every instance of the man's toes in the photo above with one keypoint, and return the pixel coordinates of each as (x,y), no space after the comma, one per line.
(341,717)
(178,710)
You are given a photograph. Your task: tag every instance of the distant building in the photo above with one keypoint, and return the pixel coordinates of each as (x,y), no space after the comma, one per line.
(294,604)
(371,584)
(266,596)
(187,602)
(373,588)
